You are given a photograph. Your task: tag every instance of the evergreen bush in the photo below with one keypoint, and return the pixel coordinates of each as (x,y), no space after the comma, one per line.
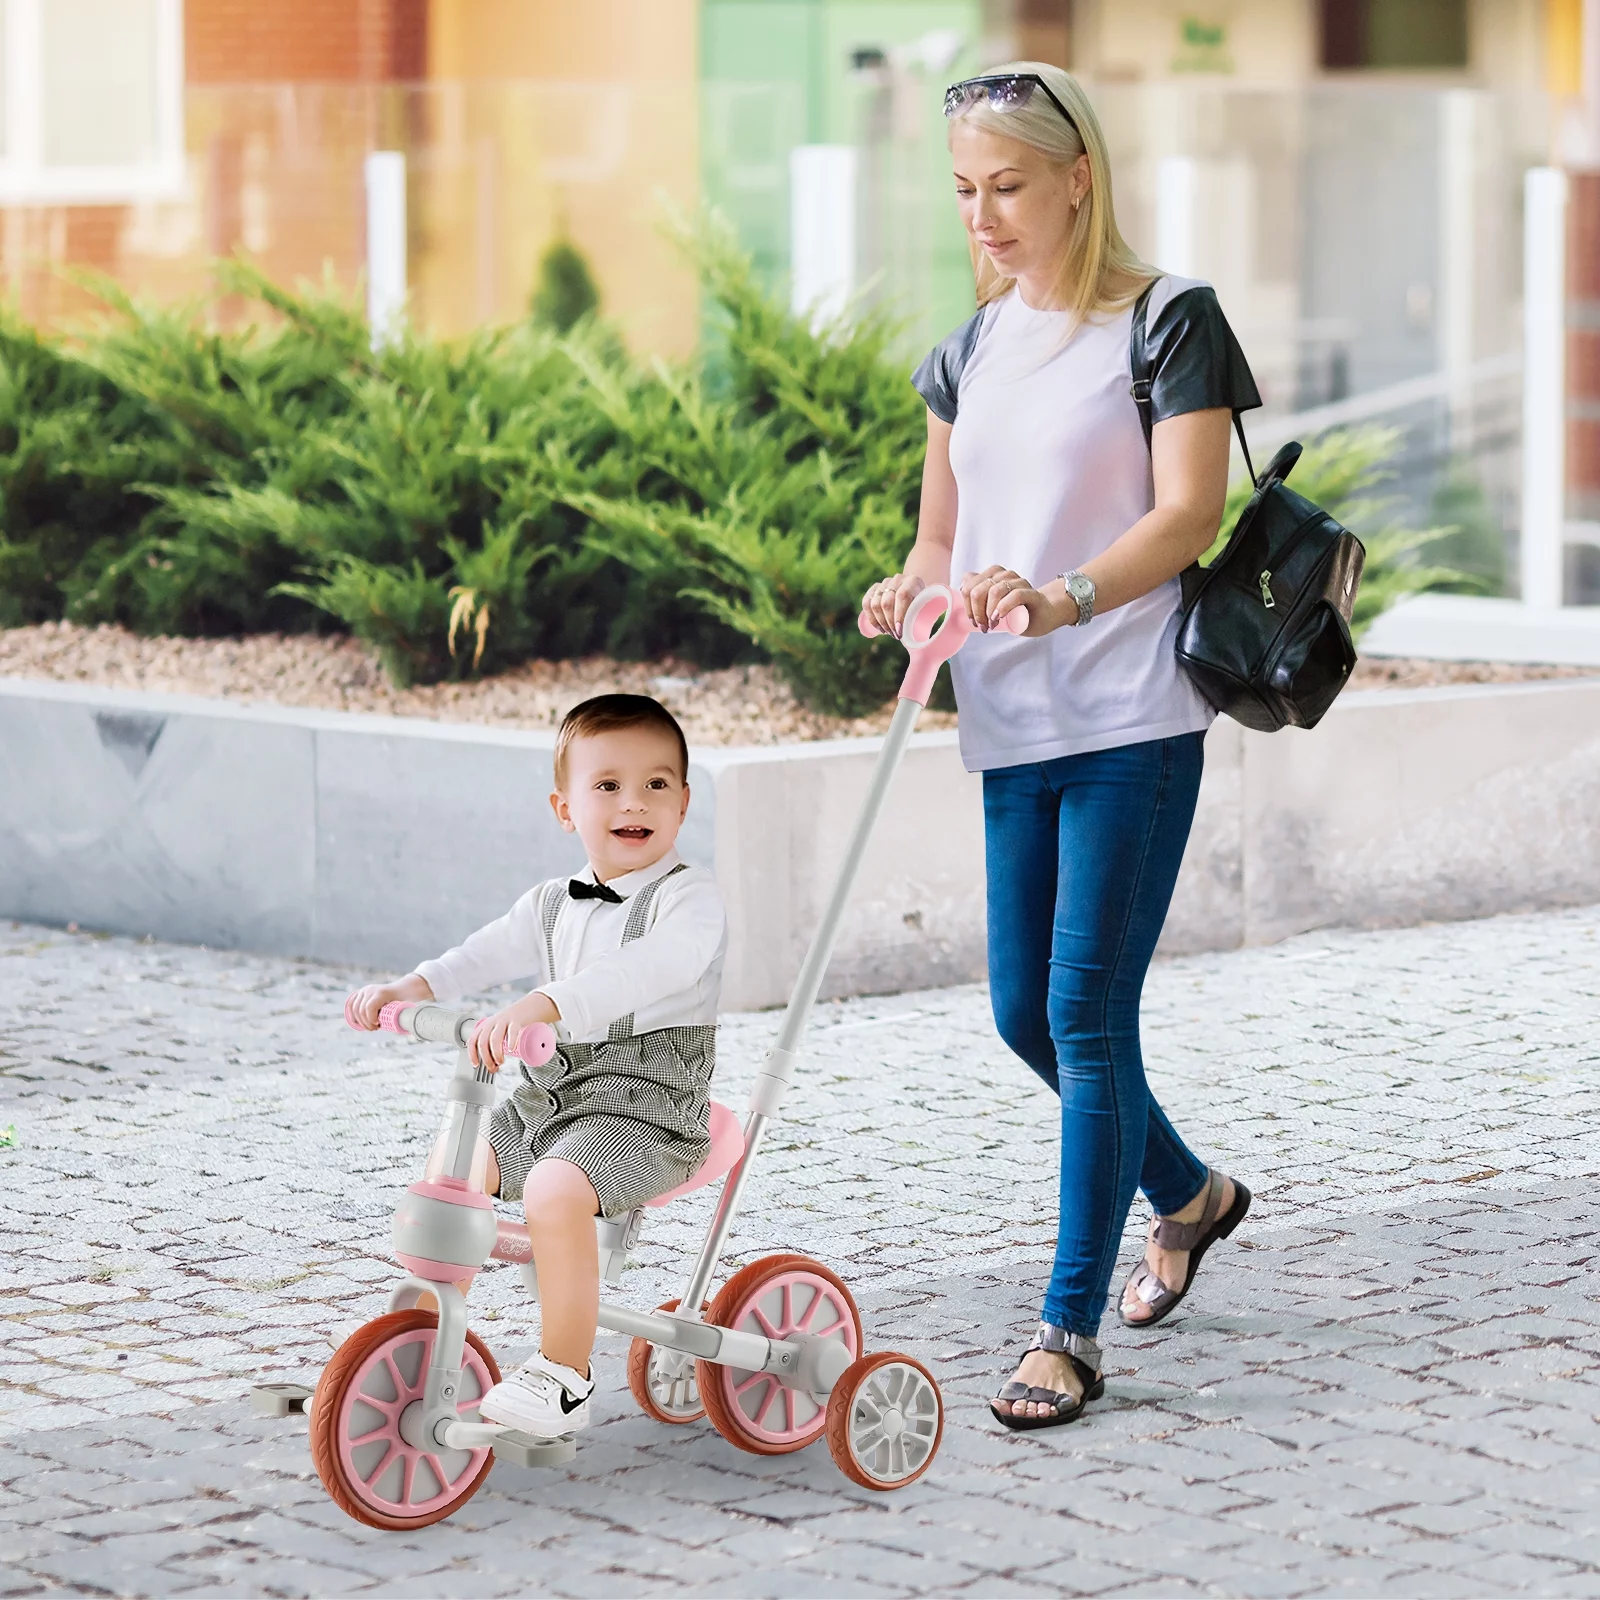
(464,505)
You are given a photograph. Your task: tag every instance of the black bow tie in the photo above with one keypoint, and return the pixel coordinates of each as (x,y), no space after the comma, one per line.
(579,890)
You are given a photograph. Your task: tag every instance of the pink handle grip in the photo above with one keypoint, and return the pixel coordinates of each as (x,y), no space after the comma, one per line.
(535,1044)
(936,625)
(389,1017)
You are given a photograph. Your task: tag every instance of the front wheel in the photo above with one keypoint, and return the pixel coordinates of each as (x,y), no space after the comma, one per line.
(885,1421)
(367,1449)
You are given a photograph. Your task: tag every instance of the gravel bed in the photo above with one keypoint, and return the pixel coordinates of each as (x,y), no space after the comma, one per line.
(730,706)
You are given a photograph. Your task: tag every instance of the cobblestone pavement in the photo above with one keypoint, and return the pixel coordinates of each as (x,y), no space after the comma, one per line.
(1387,1384)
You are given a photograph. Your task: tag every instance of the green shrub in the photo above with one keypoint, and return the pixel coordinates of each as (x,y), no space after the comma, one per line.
(463,505)
(565,292)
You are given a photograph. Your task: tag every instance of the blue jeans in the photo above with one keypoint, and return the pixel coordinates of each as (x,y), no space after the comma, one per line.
(1082,856)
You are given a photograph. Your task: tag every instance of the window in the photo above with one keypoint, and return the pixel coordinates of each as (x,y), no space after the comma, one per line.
(1397,35)
(91,100)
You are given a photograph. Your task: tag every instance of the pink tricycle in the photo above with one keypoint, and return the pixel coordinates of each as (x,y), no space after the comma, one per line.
(776,1360)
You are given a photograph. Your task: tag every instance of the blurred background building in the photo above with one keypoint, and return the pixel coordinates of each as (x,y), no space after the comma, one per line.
(1347,172)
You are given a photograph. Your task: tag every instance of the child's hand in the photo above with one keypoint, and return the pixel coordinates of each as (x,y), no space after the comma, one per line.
(363,1006)
(495,1035)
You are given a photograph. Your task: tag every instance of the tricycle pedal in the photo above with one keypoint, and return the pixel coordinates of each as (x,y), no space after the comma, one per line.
(280,1399)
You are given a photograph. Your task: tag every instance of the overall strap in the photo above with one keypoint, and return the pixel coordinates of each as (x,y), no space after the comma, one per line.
(1139,366)
(549,910)
(639,910)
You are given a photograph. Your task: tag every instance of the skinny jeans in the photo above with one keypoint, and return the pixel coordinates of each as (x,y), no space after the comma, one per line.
(1082,855)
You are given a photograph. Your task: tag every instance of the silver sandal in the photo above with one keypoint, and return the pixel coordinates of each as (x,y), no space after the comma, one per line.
(1195,1237)
(1084,1354)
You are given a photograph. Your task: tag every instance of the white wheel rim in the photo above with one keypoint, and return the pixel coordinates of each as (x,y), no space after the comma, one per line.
(894,1422)
(670,1378)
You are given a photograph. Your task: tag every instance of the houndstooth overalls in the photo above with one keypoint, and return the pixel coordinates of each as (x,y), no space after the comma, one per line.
(632,1112)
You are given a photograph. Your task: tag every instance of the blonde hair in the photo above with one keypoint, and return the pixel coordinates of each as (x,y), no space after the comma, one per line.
(1099,271)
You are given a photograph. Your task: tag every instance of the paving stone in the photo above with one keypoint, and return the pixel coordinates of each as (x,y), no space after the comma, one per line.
(1385,1384)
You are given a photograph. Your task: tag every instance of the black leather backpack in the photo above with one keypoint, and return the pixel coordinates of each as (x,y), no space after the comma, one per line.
(1265,630)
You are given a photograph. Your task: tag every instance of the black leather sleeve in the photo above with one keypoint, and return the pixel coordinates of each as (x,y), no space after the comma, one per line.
(938,377)
(1195,361)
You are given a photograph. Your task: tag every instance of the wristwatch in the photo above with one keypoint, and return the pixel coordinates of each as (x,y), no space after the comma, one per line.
(1081,588)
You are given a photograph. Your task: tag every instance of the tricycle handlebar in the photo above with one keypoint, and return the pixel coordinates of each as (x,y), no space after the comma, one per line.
(435,1025)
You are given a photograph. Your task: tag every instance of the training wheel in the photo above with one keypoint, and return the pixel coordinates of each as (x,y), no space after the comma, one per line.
(664,1381)
(885,1421)
(359,1425)
(775,1297)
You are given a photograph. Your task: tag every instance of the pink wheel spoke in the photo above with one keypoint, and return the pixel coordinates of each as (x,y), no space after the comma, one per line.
(440,1476)
(752,1381)
(766,1327)
(804,1324)
(366,1438)
(401,1388)
(382,1467)
(788,1406)
(788,1308)
(408,1473)
(773,1391)
(833,1327)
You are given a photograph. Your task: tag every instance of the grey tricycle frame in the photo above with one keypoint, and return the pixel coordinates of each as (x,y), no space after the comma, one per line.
(801,1361)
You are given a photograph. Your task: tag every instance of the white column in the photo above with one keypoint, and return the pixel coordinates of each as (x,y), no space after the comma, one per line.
(1544,398)
(386,244)
(822,230)
(1178,216)
(1457,290)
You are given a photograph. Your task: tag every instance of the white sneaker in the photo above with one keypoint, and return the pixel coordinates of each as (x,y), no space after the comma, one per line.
(540,1397)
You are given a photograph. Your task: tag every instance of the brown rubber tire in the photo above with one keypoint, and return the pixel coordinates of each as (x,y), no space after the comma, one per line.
(725,1417)
(839,1405)
(347,1360)
(639,1380)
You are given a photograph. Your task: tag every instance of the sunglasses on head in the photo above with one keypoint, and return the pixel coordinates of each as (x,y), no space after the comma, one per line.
(1005,91)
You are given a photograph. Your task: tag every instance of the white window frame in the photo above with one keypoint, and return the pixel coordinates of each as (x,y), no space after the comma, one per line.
(25,179)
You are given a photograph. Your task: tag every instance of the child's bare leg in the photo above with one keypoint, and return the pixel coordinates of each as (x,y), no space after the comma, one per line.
(491,1185)
(561,1206)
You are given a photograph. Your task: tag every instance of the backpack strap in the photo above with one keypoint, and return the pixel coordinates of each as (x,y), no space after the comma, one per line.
(1139,366)
(639,916)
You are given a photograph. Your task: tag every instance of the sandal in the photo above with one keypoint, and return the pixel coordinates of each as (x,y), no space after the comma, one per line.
(1083,1353)
(1195,1237)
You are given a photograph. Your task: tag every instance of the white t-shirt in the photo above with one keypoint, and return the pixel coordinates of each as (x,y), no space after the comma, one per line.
(1051,467)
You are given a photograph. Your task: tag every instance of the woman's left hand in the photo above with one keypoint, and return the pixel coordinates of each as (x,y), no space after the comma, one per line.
(996,591)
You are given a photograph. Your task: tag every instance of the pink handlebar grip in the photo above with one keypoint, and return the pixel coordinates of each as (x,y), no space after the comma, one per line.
(389,1017)
(535,1044)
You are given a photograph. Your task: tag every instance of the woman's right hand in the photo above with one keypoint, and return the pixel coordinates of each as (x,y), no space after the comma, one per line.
(365,1004)
(887,602)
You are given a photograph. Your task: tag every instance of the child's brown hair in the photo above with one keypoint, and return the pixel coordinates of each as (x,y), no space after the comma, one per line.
(608,713)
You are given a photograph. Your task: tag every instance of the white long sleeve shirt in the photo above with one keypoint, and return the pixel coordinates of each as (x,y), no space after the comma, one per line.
(669,977)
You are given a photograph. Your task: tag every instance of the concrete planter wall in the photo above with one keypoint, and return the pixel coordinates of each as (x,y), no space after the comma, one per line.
(378,841)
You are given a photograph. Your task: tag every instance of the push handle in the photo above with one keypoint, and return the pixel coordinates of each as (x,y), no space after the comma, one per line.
(534,1045)
(936,625)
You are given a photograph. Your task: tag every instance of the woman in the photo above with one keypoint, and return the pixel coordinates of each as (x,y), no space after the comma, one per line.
(1040,487)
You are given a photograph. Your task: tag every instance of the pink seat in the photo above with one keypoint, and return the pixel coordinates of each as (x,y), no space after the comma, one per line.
(727,1145)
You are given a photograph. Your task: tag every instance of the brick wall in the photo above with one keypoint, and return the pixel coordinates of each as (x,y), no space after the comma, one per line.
(248,41)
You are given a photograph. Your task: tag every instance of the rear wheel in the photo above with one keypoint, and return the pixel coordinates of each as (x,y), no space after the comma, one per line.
(776,1297)
(364,1439)
(885,1421)
(664,1382)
